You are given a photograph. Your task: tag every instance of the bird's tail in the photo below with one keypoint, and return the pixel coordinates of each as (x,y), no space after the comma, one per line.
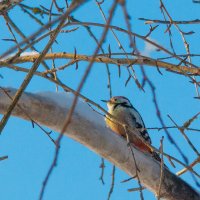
(156,156)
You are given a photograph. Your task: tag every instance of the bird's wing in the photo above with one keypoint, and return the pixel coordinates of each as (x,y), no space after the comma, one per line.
(137,122)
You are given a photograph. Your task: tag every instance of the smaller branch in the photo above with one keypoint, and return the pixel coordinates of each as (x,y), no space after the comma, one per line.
(32,16)
(136,189)
(118,43)
(3,158)
(186,44)
(185,136)
(173,127)
(102,166)
(161,168)
(190,121)
(158,113)
(38,10)
(92,35)
(112,183)
(190,166)
(129,179)
(168,30)
(135,163)
(11,31)
(158,21)
(56,69)
(132,43)
(23,36)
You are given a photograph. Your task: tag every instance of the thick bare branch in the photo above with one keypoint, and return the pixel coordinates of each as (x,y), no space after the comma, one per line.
(141,60)
(88,128)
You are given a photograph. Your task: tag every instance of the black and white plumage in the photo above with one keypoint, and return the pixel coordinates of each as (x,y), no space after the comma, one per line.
(122,109)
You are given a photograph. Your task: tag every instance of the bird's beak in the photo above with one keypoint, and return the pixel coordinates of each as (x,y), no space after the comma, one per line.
(105,101)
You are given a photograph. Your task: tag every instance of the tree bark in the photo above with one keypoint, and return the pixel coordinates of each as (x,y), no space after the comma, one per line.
(7,5)
(88,128)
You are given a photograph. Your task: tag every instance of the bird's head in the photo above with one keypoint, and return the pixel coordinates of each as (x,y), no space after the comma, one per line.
(117,101)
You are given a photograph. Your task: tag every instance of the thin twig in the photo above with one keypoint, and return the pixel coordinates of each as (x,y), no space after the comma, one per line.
(136,189)
(3,158)
(158,21)
(158,113)
(129,179)
(102,166)
(135,163)
(161,169)
(112,183)
(186,44)
(196,161)
(185,136)
(120,45)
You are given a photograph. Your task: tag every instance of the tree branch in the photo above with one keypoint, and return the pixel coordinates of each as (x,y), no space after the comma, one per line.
(140,60)
(151,21)
(88,128)
(5,6)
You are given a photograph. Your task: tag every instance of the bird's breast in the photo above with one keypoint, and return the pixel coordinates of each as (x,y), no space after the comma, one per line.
(120,130)
(115,127)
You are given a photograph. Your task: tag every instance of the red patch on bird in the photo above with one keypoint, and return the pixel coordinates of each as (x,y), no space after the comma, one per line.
(141,146)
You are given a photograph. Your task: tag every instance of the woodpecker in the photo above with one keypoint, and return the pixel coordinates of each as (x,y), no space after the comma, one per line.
(122,110)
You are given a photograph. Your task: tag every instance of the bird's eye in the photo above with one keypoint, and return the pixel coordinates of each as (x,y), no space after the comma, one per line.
(115,99)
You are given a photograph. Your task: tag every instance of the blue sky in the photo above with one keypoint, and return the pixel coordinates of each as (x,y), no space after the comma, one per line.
(77,173)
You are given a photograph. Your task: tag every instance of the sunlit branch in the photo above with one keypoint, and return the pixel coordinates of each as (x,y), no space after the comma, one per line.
(102,59)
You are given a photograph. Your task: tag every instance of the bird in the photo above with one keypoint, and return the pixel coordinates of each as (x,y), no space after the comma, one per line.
(125,115)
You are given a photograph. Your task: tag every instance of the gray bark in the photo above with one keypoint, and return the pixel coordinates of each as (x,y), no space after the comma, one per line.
(88,128)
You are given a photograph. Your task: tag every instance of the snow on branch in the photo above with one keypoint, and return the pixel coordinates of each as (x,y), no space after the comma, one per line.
(88,128)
